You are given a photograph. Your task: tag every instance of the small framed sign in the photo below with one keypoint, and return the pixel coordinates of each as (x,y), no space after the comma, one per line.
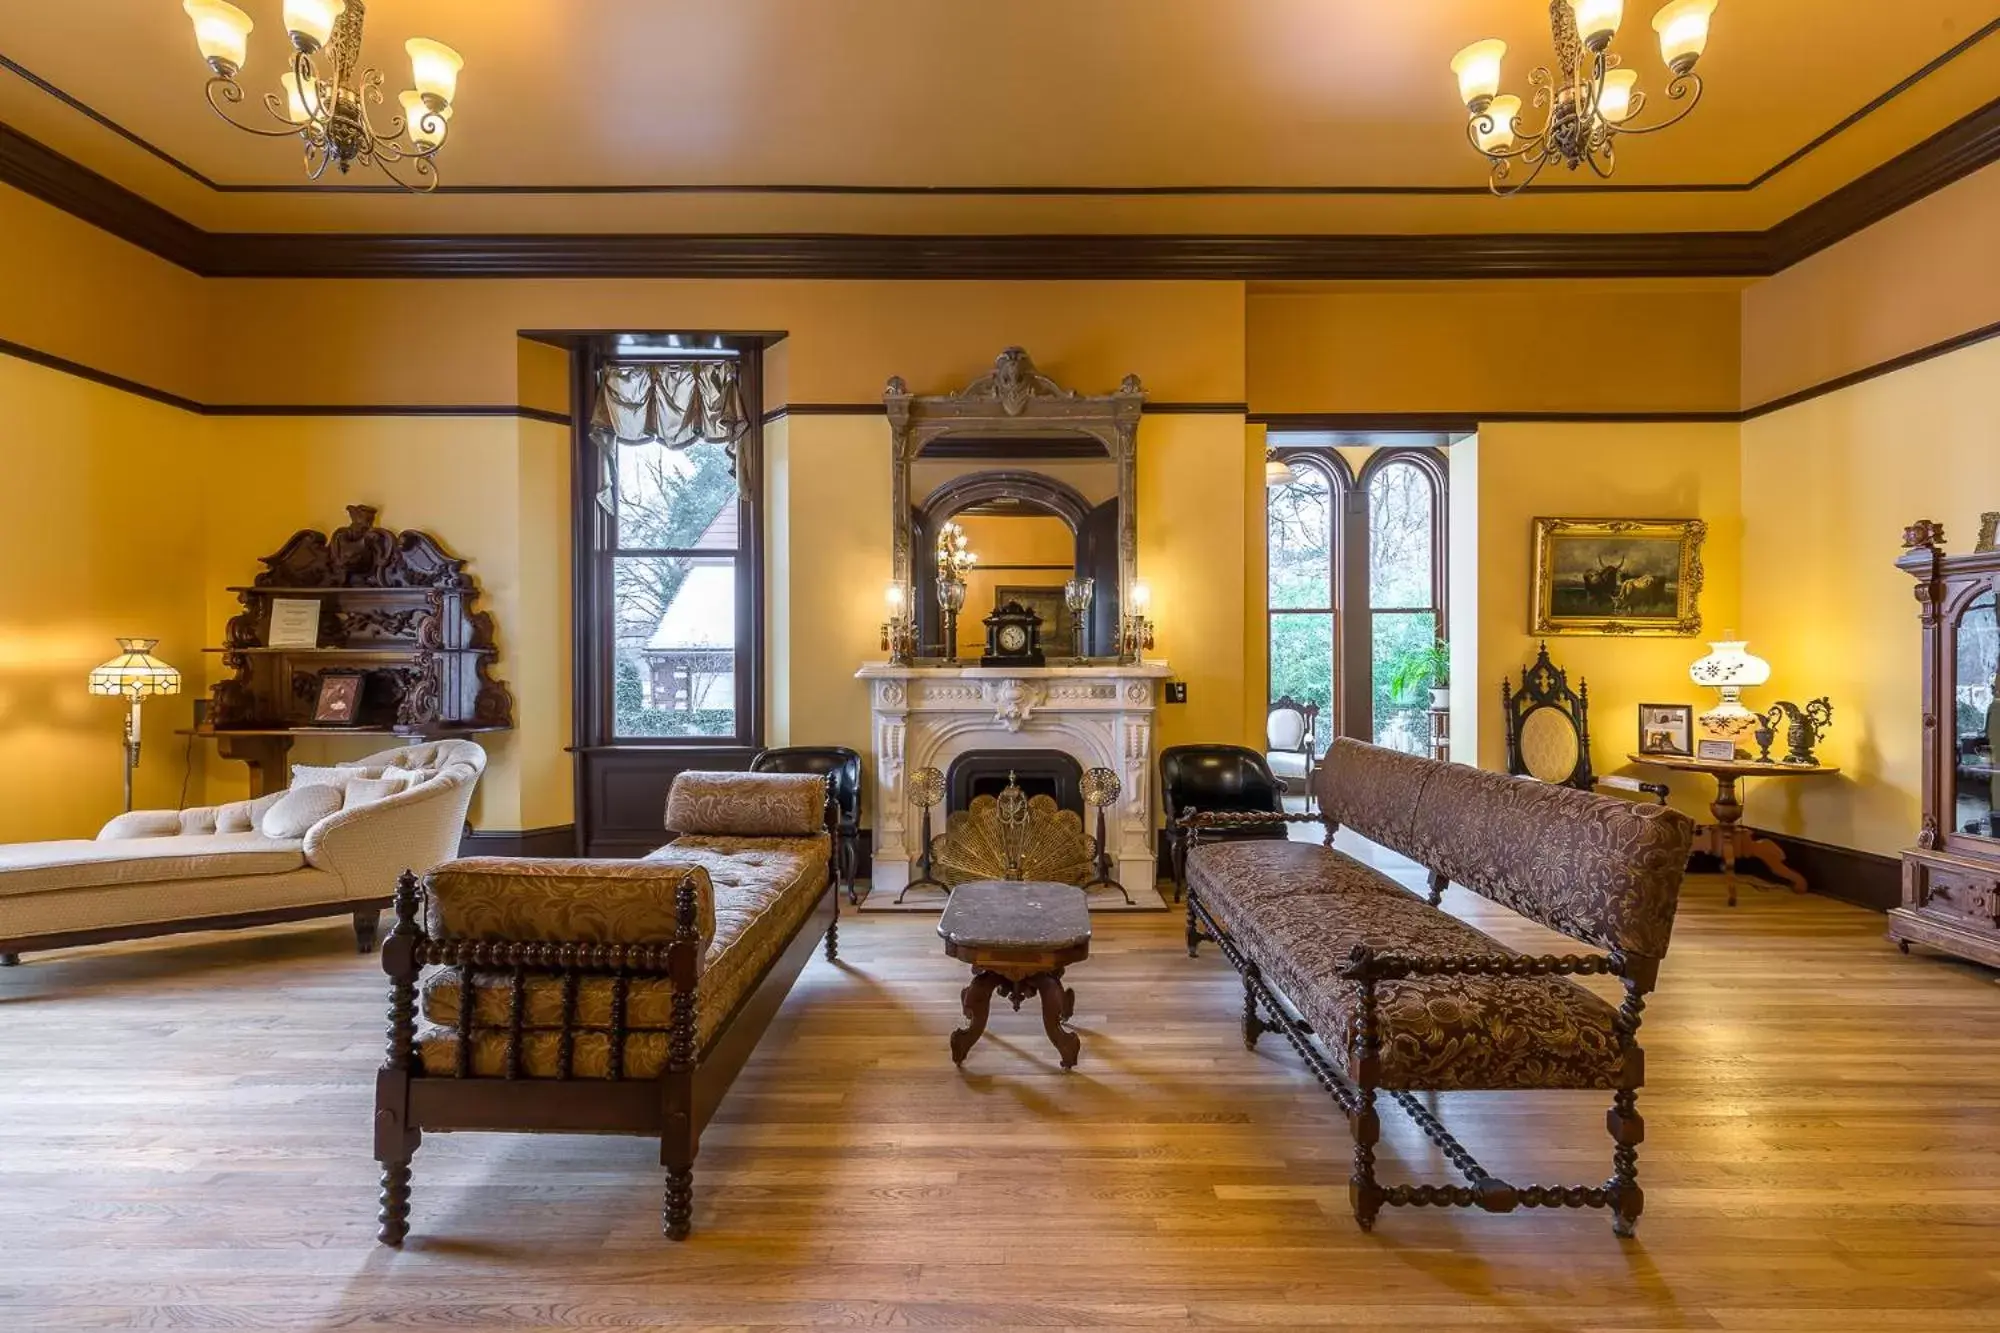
(1713,749)
(294,623)
(1666,729)
(339,703)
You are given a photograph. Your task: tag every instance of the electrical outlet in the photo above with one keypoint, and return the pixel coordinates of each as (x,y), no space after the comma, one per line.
(1176,691)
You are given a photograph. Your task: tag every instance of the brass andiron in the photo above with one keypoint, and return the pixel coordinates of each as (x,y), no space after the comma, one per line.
(926,790)
(1804,728)
(1100,787)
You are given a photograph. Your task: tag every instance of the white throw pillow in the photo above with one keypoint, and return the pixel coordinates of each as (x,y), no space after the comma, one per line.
(299,809)
(234,817)
(367,791)
(410,776)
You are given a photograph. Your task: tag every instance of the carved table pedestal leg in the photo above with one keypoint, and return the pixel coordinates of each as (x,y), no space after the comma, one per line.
(1058,1007)
(977,1001)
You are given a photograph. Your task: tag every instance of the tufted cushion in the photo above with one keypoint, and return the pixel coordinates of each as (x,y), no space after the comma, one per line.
(367,791)
(1232,878)
(39,867)
(1436,1033)
(762,891)
(548,898)
(768,805)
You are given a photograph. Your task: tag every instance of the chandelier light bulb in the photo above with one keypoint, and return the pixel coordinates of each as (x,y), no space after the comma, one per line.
(310,22)
(1597,21)
(892,597)
(425,127)
(1683,29)
(1142,597)
(1502,111)
(1478,71)
(434,69)
(1615,102)
(295,103)
(222,31)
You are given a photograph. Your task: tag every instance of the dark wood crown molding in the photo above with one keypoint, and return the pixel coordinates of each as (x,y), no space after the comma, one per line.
(1947,156)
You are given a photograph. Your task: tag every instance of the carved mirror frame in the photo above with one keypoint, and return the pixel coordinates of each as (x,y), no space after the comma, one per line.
(1016,402)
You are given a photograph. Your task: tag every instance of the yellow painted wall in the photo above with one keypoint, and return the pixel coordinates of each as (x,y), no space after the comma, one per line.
(100,519)
(1588,471)
(1835,481)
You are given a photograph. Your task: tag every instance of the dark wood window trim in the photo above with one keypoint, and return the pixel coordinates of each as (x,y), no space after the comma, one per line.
(1353,615)
(621,782)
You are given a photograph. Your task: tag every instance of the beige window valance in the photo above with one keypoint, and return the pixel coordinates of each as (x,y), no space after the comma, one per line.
(677,404)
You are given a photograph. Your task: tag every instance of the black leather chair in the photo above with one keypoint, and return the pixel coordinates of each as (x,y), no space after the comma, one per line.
(841,767)
(1214,778)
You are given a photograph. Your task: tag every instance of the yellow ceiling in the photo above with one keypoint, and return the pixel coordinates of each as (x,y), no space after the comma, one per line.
(560,96)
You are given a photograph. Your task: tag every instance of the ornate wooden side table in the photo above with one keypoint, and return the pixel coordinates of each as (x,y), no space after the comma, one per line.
(1018,936)
(1726,839)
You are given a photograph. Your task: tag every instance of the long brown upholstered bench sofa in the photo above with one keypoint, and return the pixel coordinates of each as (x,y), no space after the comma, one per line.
(1380,990)
(616,997)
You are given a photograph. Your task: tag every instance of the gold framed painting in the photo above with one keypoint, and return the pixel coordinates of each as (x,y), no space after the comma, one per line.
(1639,576)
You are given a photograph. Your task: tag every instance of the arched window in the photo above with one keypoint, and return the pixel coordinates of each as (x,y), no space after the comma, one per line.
(1356,581)
(1405,588)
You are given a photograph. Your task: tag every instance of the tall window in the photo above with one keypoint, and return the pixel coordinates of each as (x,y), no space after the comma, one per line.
(1304,585)
(1356,581)
(675,569)
(1405,592)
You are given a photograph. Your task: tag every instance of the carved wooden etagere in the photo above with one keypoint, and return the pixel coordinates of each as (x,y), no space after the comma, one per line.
(394,608)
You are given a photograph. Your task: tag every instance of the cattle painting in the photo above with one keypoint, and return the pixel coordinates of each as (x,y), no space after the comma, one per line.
(1614,576)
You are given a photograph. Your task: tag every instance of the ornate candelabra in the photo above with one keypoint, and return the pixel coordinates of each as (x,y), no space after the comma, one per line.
(899,631)
(1135,633)
(1590,100)
(326,93)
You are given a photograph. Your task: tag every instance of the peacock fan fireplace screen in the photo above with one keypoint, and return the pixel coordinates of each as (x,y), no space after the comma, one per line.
(1014,836)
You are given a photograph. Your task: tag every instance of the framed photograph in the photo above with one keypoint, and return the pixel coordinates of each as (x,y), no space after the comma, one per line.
(1714,749)
(294,623)
(1617,576)
(1666,729)
(339,702)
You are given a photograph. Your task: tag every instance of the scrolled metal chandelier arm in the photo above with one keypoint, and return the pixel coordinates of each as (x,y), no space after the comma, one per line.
(1687,87)
(224,92)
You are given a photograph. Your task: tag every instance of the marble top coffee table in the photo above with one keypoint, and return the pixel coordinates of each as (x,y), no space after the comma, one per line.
(1018,936)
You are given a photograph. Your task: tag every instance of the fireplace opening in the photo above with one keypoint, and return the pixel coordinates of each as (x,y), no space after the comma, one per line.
(1049,773)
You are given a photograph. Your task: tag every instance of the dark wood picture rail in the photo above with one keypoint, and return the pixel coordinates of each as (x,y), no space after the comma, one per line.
(1970,144)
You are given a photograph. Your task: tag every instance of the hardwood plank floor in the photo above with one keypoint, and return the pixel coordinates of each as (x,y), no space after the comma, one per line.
(184,1130)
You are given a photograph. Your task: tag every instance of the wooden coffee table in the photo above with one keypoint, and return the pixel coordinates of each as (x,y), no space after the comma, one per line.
(1018,937)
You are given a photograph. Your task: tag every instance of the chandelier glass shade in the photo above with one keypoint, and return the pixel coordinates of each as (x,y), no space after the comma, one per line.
(325,96)
(1590,98)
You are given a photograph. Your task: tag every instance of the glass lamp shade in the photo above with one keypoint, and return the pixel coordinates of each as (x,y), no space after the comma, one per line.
(222,31)
(1597,20)
(425,127)
(1683,30)
(434,69)
(894,598)
(295,103)
(1142,598)
(951,594)
(1502,112)
(135,672)
(1277,472)
(1077,594)
(1615,102)
(1729,663)
(1478,71)
(310,22)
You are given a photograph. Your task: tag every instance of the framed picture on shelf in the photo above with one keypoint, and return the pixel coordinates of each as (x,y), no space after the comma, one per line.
(294,623)
(1666,729)
(1715,749)
(339,702)
(1638,576)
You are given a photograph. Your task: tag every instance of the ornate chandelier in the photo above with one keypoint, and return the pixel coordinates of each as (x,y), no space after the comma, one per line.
(327,94)
(1591,100)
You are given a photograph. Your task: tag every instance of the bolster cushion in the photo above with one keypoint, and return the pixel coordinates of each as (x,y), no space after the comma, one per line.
(508,898)
(755,805)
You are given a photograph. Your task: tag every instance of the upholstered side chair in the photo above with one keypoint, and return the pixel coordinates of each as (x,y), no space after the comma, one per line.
(1215,779)
(841,767)
(1291,742)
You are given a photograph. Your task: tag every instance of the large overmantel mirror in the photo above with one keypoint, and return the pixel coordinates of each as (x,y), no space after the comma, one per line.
(1039,483)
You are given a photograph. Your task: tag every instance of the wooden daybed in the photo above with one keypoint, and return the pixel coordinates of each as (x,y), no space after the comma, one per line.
(612,997)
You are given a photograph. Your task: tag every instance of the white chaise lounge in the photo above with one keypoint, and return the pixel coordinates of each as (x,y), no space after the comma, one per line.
(248,863)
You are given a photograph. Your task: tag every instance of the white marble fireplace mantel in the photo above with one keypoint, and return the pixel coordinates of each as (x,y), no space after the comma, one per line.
(1101,716)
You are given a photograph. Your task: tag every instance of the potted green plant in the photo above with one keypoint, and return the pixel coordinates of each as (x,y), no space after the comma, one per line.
(1415,668)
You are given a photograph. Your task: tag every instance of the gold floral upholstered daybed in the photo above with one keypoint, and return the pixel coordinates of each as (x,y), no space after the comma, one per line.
(616,997)
(1378,989)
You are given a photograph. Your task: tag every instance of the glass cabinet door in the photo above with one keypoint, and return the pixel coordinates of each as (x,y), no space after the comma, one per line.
(1975,720)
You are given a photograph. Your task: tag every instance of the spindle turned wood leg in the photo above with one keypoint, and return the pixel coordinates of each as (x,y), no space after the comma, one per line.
(1628,1131)
(677,1211)
(394,1219)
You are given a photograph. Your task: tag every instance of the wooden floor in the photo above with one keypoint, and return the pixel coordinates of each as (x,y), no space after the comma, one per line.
(184,1132)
